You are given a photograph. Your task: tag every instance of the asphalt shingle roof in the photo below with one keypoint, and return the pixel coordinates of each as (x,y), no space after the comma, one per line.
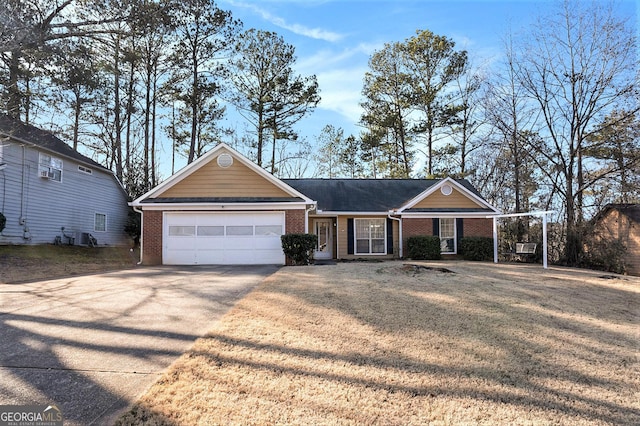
(632,211)
(364,195)
(38,137)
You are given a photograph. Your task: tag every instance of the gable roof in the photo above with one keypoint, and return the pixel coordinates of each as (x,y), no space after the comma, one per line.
(26,133)
(461,185)
(154,196)
(632,211)
(373,195)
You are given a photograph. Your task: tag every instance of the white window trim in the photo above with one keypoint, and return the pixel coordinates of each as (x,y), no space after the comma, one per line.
(95,222)
(42,167)
(455,236)
(355,237)
(84,169)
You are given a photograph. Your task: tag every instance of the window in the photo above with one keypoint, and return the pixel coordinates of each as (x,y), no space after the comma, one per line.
(268,230)
(100,222)
(370,235)
(50,167)
(448,235)
(239,231)
(182,231)
(211,231)
(84,169)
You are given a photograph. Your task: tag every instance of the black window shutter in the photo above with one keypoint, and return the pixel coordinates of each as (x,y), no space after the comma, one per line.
(389,236)
(350,236)
(436,226)
(459,231)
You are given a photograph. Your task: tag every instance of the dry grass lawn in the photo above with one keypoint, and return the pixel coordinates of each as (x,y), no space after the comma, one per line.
(28,263)
(387,343)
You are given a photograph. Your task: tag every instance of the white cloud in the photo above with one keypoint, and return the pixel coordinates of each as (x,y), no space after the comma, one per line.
(340,91)
(315,33)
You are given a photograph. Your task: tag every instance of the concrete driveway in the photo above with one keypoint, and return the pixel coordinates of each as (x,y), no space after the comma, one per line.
(92,345)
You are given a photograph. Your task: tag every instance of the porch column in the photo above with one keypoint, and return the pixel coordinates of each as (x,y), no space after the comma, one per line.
(495,239)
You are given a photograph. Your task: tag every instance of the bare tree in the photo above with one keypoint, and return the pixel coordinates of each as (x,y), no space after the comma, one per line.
(577,65)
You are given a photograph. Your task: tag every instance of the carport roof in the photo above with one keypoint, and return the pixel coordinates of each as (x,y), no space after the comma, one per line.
(366,195)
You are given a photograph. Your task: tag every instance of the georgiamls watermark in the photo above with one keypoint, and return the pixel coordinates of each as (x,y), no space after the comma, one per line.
(30,415)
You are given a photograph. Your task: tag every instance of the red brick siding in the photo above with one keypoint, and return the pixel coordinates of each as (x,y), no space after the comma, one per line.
(414,228)
(471,228)
(294,222)
(152,238)
(477,228)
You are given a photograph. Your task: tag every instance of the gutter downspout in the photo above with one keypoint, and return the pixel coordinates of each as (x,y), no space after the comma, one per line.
(137,210)
(313,206)
(400,251)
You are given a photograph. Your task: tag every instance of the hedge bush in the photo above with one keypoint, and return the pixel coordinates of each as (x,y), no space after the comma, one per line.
(299,247)
(3,222)
(424,247)
(476,248)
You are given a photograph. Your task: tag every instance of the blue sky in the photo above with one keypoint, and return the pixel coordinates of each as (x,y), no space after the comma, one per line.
(334,39)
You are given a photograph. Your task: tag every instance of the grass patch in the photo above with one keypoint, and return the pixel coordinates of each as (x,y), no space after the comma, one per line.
(24,263)
(351,344)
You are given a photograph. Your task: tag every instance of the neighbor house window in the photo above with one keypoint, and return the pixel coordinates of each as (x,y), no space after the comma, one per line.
(448,235)
(50,167)
(100,222)
(370,236)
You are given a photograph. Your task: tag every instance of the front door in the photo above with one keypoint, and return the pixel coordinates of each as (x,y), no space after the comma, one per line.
(324,231)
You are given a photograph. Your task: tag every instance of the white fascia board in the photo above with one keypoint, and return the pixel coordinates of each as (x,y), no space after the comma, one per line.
(202,161)
(335,213)
(220,206)
(439,185)
(433,215)
(177,176)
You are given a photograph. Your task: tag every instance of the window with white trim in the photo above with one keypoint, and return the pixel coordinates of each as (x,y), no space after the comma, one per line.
(448,235)
(50,167)
(100,224)
(370,235)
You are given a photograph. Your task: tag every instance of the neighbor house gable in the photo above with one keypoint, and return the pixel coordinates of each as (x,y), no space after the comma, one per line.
(448,195)
(223,174)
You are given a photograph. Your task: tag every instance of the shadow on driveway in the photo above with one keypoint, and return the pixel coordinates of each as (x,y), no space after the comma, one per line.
(91,345)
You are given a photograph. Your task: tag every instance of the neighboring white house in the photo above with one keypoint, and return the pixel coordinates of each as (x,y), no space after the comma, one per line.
(46,186)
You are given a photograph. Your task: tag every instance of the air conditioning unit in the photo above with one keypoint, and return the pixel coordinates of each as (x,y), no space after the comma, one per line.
(44,174)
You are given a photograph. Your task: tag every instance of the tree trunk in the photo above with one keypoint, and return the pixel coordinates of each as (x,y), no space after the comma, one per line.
(13,101)
(117,145)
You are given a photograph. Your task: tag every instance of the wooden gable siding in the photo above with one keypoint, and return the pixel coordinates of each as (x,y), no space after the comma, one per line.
(455,200)
(211,180)
(47,205)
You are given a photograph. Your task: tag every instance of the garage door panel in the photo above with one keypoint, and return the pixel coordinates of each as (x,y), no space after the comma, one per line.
(223,238)
(267,243)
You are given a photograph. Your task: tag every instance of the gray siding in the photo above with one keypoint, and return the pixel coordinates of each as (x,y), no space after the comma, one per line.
(46,205)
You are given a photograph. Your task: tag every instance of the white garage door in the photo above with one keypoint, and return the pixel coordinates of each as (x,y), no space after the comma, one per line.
(207,238)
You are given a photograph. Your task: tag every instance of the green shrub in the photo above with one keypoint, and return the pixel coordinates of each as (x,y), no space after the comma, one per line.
(299,247)
(424,247)
(476,248)
(3,222)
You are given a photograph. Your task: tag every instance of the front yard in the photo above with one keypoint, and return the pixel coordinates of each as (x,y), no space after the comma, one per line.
(27,263)
(391,343)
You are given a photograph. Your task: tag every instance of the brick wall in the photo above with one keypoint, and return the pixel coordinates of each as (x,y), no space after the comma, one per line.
(152,238)
(414,228)
(471,228)
(478,228)
(294,222)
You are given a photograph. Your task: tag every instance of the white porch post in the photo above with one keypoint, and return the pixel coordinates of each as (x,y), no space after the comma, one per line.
(544,241)
(495,239)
